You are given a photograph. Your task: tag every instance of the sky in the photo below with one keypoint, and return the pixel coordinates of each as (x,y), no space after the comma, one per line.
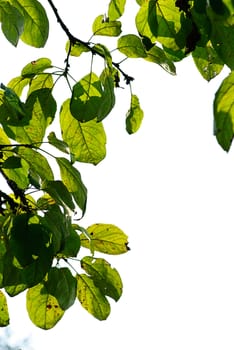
(170,188)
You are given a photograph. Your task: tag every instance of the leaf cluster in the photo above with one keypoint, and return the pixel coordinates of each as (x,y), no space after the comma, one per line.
(39,233)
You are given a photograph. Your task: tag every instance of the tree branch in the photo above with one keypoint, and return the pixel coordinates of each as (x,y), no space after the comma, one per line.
(73,40)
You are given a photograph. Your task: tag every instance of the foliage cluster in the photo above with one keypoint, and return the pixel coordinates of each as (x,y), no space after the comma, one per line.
(38,230)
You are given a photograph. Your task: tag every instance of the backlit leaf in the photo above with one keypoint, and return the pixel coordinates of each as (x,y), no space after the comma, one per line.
(91,298)
(131,46)
(12,22)
(103,26)
(106,278)
(146,20)
(72,180)
(207,61)
(134,116)
(158,56)
(116,9)
(76,49)
(4,315)
(35,67)
(106,238)
(61,284)
(224,112)
(43,308)
(36,25)
(86,141)
(60,193)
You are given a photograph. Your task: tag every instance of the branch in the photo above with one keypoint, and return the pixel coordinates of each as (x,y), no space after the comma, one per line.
(73,40)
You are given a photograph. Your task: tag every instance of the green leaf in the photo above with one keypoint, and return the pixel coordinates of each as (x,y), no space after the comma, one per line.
(43,308)
(116,9)
(146,20)
(106,238)
(35,67)
(103,26)
(170,32)
(207,61)
(86,98)
(86,141)
(61,284)
(4,315)
(71,245)
(131,46)
(91,298)
(158,56)
(41,82)
(37,162)
(134,115)
(54,141)
(60,193)
(106,278)
(222,37)
(18,84)
(108,100)
(36,24)
(13,103)
(16,169)
(72,180)
(12,22)
(224,112)
(76,49)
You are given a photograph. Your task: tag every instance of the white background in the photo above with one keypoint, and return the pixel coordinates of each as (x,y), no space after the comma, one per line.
(170,187)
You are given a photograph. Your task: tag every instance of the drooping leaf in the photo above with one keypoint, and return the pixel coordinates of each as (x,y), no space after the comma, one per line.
(61,284)
(37,163)
(103,26)
(12,22)
(116,9)
(106,278)
(35,67)
(131,46)
(72,180)
(59,144)
(60,193)
(36,24)
(18,84)
(86,141)
(43,308)
(134,115)
(224,113)
(108,100)
(207,61)
(4,315)
(106,238)
(91,297)
(158,56)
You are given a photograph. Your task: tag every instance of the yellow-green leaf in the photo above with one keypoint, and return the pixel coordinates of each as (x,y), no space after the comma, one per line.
(106,238)
(4,315)
(91,298)
(134,116)
(116,9)
(131,46)
(43,308)
(102,26)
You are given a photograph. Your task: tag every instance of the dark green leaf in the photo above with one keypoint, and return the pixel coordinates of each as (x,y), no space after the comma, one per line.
(71,245)
(102,26)
(106,278)
(91,298)
(106,238)
(60,193)
(86,141)
(72,180)
(62,285)
(43,308)
(12,22)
